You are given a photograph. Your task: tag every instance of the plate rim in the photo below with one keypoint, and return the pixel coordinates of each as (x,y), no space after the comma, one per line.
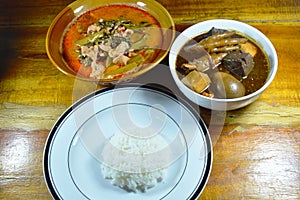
(154,87)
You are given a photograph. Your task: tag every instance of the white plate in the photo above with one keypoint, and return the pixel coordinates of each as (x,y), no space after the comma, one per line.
(72,169)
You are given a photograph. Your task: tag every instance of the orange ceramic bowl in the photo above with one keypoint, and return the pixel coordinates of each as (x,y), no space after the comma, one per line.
(71,12)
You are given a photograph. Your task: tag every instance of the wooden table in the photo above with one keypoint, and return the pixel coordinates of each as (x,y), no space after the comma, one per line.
(256,154)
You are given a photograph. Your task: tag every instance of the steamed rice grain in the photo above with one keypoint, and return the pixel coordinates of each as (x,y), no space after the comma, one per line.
(135,163)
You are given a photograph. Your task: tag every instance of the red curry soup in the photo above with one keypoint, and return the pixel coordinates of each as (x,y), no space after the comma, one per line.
(111,41)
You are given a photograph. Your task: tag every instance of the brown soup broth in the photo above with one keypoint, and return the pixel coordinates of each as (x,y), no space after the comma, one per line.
(75,31)
(254,81)
(258,76)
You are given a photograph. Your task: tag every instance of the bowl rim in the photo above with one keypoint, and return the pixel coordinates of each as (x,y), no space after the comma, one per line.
(209,24)
(138,4)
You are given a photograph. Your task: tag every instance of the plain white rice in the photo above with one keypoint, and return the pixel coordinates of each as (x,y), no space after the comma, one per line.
(135,163)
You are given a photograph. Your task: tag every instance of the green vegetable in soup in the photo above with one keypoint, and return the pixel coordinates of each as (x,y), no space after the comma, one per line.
(121,70)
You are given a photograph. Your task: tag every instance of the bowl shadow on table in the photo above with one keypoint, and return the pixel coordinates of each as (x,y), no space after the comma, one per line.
(8,51)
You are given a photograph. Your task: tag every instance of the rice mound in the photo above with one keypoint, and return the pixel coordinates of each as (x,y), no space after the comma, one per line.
(135,163)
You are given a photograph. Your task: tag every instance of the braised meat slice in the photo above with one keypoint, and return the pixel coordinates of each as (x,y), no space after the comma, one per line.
(238,63)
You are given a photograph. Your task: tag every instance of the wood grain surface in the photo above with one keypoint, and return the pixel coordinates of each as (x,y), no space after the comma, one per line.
(256,148)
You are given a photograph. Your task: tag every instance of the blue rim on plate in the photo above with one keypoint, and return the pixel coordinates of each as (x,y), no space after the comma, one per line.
(190,172)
